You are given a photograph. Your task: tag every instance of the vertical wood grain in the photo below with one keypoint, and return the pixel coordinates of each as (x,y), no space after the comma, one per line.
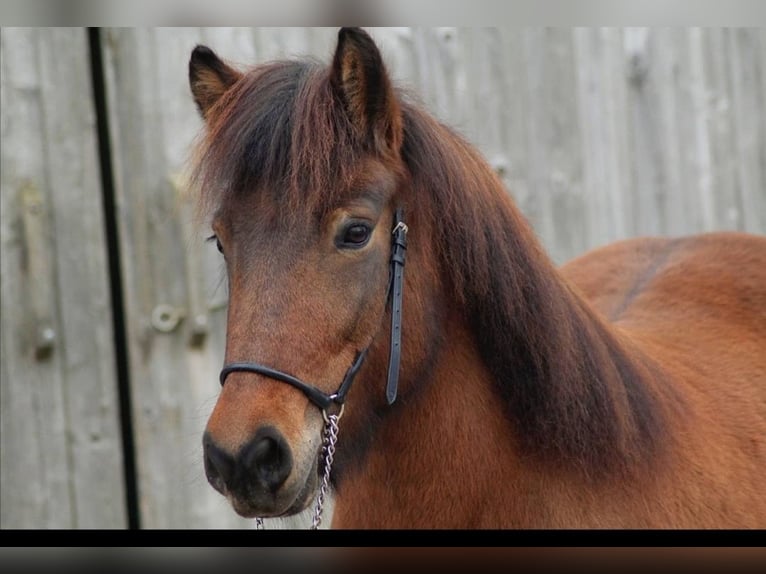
(61,446)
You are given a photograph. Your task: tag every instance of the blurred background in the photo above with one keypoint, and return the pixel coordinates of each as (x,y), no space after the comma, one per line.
(113,307)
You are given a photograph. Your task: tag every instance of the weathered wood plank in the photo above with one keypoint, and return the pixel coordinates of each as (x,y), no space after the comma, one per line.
(61,445)
(603,122)
(556,160)
(645,131)
(750,148)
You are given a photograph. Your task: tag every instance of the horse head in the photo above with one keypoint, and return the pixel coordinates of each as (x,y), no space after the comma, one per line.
(301,172)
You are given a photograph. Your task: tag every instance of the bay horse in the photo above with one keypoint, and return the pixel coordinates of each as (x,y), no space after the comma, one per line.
(491,389)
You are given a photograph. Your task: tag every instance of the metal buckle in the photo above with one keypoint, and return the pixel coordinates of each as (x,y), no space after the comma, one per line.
(401,225)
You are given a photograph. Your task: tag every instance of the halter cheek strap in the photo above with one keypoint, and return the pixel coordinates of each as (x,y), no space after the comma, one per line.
(398,251)
(394,294)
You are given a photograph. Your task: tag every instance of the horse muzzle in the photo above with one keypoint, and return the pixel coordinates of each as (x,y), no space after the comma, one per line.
(260,479)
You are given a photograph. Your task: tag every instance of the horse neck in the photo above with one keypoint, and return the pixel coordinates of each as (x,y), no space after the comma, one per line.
(424,450)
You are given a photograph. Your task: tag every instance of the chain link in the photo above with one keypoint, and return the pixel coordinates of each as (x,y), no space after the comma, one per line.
(329,439)
(328,450)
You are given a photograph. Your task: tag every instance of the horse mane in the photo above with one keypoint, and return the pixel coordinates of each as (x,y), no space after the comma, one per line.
(568,386)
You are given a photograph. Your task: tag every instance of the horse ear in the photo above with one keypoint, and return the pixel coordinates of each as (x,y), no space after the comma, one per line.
(359,76)
(209,78)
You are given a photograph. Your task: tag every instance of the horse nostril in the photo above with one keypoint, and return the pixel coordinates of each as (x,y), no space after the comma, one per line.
(268,458)
(219,466)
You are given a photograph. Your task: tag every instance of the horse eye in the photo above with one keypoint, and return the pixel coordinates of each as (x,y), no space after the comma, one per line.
(356,235)
(217,242)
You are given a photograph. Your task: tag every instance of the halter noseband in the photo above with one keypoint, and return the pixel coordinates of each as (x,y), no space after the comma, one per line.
(394,293)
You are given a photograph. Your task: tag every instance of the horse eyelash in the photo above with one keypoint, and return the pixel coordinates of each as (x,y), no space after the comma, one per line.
(214,238)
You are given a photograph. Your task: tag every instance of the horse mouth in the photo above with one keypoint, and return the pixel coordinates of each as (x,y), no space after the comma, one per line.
(281,503)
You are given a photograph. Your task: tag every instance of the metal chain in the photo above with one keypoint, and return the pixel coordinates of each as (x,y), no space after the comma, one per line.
(330,438)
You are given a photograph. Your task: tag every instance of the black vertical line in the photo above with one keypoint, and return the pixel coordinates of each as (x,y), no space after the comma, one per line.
(115,276)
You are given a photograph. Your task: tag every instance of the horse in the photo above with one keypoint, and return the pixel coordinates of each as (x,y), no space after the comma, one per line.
(491,388)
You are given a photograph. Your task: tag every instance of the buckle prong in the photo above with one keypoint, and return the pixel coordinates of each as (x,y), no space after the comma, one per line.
(401,225)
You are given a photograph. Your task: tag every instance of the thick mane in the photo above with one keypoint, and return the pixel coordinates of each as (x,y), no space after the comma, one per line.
(569,387)
(279,130)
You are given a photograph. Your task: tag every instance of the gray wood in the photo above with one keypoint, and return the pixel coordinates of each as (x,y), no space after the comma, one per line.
(749,98)
(557,158)
(61,446)
(728,205)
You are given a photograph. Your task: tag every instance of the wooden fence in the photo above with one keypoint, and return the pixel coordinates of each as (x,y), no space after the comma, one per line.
(113,309)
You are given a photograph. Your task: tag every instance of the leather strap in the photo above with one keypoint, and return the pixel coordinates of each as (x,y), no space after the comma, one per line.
(394,292)
(340,396)
(398,252)
(316,396)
